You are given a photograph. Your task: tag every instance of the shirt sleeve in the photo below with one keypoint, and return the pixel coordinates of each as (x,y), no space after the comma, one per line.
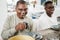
(36,26)
(34,29)
(7,31)
(31,25)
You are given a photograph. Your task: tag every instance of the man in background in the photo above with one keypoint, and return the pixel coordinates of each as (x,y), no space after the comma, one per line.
(34,9)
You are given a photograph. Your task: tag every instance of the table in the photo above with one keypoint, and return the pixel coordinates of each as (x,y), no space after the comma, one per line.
(49,34)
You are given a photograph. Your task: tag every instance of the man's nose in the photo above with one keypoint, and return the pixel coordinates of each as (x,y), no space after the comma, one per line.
(52,9)
(23,12)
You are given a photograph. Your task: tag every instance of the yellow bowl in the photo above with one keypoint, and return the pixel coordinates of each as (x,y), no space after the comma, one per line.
(21,37)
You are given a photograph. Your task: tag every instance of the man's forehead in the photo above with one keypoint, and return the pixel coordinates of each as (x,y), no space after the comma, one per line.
(22,5)
(50,4)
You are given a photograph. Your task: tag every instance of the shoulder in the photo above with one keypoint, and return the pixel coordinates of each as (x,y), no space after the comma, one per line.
(43,16)
(28,18)
(9,17)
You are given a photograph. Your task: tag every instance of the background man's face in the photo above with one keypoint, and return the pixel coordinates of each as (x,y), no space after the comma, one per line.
(21,10)
(49,8)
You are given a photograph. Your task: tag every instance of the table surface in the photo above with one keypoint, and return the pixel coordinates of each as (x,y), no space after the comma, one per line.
(50,34)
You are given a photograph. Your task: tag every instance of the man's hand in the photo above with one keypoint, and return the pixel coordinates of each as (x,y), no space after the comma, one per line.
(20,26)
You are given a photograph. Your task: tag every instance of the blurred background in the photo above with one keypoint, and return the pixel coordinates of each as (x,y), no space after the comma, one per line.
(7,7)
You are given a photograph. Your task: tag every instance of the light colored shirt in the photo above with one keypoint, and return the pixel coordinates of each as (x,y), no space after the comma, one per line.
(44,22)
(10,24)
(35,11)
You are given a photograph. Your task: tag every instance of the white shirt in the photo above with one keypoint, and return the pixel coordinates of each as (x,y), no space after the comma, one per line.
(35,11)
(44,22)
(10,24)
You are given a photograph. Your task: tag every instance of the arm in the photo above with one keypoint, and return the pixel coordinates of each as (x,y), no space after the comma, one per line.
(7,31)
(34,27)
(31,25)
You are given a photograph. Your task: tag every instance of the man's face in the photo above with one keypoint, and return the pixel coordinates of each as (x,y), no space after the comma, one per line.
(21,10)
(49,8)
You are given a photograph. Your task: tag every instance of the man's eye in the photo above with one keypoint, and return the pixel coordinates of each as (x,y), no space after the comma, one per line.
(25,9)
(20,9)
(51,7)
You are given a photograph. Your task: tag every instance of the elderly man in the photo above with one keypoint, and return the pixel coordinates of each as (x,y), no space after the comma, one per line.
(18,23)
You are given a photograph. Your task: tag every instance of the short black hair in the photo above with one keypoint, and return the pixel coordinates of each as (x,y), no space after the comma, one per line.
(20,2)
(48,2)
